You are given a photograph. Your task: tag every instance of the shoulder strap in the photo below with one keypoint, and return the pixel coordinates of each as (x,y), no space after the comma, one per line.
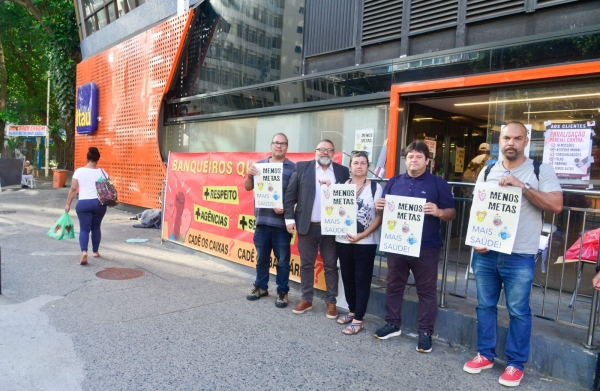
(487,172)
(373,189)
(536,169)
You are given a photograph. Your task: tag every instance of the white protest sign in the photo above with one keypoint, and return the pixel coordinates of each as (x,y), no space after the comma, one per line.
(364,141)
(338,209)
(494,217)
(402,225)
(268,186)
(568,148)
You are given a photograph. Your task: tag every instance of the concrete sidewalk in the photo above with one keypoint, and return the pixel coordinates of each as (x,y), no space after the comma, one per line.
(185,324)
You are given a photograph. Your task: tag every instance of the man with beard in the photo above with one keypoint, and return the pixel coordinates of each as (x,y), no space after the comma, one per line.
(303,191)
(541,192)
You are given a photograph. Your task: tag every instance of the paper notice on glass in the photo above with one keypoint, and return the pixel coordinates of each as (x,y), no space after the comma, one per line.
(568,148)
(268,186)
(402,225)
(494,217)
(338,209)
(459,162)
(364,141)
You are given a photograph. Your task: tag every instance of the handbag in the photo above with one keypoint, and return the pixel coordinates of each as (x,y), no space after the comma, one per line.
(107,192)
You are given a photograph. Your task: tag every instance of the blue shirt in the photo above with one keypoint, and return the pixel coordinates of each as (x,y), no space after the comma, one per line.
(433,189)
(268,216)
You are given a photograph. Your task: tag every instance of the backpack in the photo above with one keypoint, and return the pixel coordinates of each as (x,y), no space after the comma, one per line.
(536,170)
(107,193)
(473,169)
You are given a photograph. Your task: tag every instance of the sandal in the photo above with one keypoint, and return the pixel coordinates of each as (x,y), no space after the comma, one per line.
(353,328)
(345,319)
(83,259)
(96,255)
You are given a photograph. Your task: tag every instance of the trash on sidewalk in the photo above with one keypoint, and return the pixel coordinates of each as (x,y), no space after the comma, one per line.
(150,218)
(136,240)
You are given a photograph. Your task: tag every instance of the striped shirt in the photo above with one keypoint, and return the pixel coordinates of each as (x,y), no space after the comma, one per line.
(268,216)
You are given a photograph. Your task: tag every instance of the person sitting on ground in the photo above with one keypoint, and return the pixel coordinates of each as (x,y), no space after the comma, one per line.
(28,174)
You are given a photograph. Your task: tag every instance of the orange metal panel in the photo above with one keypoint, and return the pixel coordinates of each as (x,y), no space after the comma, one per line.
(132,78)
(559,71)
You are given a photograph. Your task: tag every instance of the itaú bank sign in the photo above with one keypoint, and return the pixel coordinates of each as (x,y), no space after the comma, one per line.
(86,110)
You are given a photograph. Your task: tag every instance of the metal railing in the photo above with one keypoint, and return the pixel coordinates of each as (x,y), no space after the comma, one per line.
(563,230)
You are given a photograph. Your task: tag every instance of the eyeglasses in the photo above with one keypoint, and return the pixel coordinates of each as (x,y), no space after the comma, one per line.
(278,144)
(328,150)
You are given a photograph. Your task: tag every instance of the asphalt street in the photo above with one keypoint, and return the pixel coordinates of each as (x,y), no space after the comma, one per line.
(185,324)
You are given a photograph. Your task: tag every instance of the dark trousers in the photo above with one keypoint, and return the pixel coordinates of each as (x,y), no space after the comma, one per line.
(90,214)
(356,266)
(425,271)
(267,239)
(309,246)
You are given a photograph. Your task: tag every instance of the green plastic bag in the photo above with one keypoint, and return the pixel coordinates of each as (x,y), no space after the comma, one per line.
(63,228)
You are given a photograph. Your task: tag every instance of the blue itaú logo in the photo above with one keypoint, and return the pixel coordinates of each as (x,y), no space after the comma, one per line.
(86,110)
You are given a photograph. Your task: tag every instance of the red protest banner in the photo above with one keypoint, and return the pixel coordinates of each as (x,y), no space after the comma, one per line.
(208,209)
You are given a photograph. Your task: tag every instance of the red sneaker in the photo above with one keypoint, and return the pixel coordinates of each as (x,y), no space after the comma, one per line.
(511,377)
(477,364)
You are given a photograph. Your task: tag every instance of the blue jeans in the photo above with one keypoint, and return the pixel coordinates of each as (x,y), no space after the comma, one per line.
(267,238)
(516,272)
(90,214)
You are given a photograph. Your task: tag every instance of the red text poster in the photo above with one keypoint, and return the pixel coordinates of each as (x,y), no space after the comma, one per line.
(208,209)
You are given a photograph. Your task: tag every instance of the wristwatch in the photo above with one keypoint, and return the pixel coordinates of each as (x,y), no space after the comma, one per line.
(527,187)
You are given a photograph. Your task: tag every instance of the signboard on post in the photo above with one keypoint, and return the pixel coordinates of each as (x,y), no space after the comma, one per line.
(27,130)
(494,217)
(402,225)
(86,109)
(338,210)
(268,185)
(568,148)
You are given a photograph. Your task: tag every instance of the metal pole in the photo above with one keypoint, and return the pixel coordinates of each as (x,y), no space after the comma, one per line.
(0,270)
(589,342)
(445,265)
(47,131)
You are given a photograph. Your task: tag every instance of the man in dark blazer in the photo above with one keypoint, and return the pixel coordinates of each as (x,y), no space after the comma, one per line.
(302,191)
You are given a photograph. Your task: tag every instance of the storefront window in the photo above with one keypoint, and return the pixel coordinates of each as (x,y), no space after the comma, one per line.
(564,122)
(359,128)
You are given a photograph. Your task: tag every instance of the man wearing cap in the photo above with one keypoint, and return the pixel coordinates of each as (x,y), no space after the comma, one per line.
(28,170)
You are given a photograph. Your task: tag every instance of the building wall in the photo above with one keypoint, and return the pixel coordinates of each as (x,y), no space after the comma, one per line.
(132,78)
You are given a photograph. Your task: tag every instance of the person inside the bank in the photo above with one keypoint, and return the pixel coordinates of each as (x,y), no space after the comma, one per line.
(270,233)
(357,252)
(493,270)
(417,182)
(27,174)
(305,219)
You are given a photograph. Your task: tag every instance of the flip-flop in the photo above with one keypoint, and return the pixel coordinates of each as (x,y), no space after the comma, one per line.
(345,319)
(83,259)
(353,328)
(96,255)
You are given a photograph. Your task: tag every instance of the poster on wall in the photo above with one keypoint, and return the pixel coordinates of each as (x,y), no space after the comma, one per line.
(402,225)
(364,141)
(268,185)
(207,208)
(459,162)
(494,217)
(338,209)
(568,148)
(431,144)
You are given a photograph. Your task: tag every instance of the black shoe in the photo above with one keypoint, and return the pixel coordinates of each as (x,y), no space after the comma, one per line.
(257,293)
(424,345)
(24,187)
(388,331)
(282,300)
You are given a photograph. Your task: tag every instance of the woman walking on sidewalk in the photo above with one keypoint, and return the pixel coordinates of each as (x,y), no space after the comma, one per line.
(357,252)
(89,209)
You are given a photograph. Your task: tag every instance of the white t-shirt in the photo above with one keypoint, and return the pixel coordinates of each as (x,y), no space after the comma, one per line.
(527,237)
(87,178)
(365,214)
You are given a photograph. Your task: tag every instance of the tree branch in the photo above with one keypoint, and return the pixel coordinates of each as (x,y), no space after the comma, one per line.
(34,11)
